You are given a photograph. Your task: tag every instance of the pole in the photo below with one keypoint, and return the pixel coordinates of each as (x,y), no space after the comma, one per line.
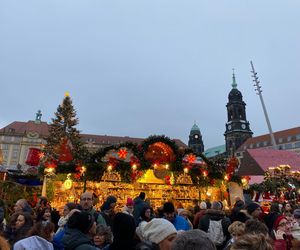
(258,89)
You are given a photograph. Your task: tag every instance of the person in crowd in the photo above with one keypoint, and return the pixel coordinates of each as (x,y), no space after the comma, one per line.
(65,216)
(103,237)
(44,214)
(146,214)
(282,240)
(178,221)
(236,214)
(198,215)
(128,208)
(287,208)
(39,237)
(2,217)
(236,230)
(196,207)
(108,209)
(253,210)
(57,238)
(296,225)
(80,227)
(4,245)
(252,242)
(22,206)
(42,203)
(194,239)
(187,215)
(254,226)
(86,203)
(139,204)
(22,225)
(271,217)
(216,224)
(123,228)
(157,234)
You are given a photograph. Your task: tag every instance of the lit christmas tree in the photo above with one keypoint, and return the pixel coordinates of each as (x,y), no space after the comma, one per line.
(64,145)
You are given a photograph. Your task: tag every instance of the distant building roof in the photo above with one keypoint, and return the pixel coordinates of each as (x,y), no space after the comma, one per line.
(211,152)
(257,161)
(21,128)
(283,135)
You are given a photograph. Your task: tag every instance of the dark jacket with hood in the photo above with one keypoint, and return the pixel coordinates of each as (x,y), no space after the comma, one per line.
(216,215)
(74,239)
(139,205)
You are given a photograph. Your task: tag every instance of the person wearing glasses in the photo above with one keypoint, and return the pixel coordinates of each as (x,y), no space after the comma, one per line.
(86,203)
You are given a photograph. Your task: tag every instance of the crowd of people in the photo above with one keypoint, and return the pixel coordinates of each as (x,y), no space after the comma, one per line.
(138,226)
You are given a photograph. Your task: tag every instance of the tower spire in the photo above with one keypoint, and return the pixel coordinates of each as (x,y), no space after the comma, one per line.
(234,85)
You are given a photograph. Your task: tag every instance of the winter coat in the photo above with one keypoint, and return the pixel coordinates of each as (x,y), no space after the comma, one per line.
(216,215)
(139,204)
(33,243)
(76,240)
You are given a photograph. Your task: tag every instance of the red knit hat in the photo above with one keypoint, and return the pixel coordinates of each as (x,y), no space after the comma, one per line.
(129,202)
(278,220)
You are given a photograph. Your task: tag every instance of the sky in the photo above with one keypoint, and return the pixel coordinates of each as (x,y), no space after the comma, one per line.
(138,68)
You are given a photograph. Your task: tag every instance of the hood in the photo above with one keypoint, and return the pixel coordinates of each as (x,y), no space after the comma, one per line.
(215,214)
(138,200)
(33,242)
(74,238)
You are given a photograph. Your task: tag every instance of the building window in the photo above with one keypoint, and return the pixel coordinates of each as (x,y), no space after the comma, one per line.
(15,154)
(5,146)
(265,143)
(297,144)
(298,137)
(289,146)
(289,138)
(280,140)
(258,144)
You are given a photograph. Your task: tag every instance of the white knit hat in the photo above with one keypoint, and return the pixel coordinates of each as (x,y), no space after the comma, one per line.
(203,205)
(157,230)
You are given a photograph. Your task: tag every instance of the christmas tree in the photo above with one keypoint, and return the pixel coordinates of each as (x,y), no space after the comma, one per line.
(64,145)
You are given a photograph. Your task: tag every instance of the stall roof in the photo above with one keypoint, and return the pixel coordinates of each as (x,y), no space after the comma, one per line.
(257,161)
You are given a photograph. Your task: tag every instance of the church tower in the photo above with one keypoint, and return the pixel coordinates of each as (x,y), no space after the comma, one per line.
(237,127)
(195,140)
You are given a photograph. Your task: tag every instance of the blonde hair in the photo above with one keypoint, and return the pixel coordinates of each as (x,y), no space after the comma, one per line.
(252,242)
(237,227)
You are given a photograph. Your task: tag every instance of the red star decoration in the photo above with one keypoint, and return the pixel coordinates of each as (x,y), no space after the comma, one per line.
(191,158)
(122,153)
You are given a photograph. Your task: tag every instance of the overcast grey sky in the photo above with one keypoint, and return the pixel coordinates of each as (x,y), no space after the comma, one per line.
(137,68)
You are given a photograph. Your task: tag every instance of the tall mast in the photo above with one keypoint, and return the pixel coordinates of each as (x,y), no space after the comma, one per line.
(258,89)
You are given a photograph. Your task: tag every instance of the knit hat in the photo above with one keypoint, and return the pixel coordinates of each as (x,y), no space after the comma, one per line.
(193,239)
(129,202)
(157,230)
(83,221)
(216,205)
(297,213)
(203,205)
(252,207)
(278,220)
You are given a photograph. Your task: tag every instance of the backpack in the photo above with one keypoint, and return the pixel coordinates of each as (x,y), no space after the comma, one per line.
(215,232)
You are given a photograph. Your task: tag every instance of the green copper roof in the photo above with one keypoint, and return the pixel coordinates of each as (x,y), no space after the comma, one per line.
(211,152)
(195,127)
(234,85)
